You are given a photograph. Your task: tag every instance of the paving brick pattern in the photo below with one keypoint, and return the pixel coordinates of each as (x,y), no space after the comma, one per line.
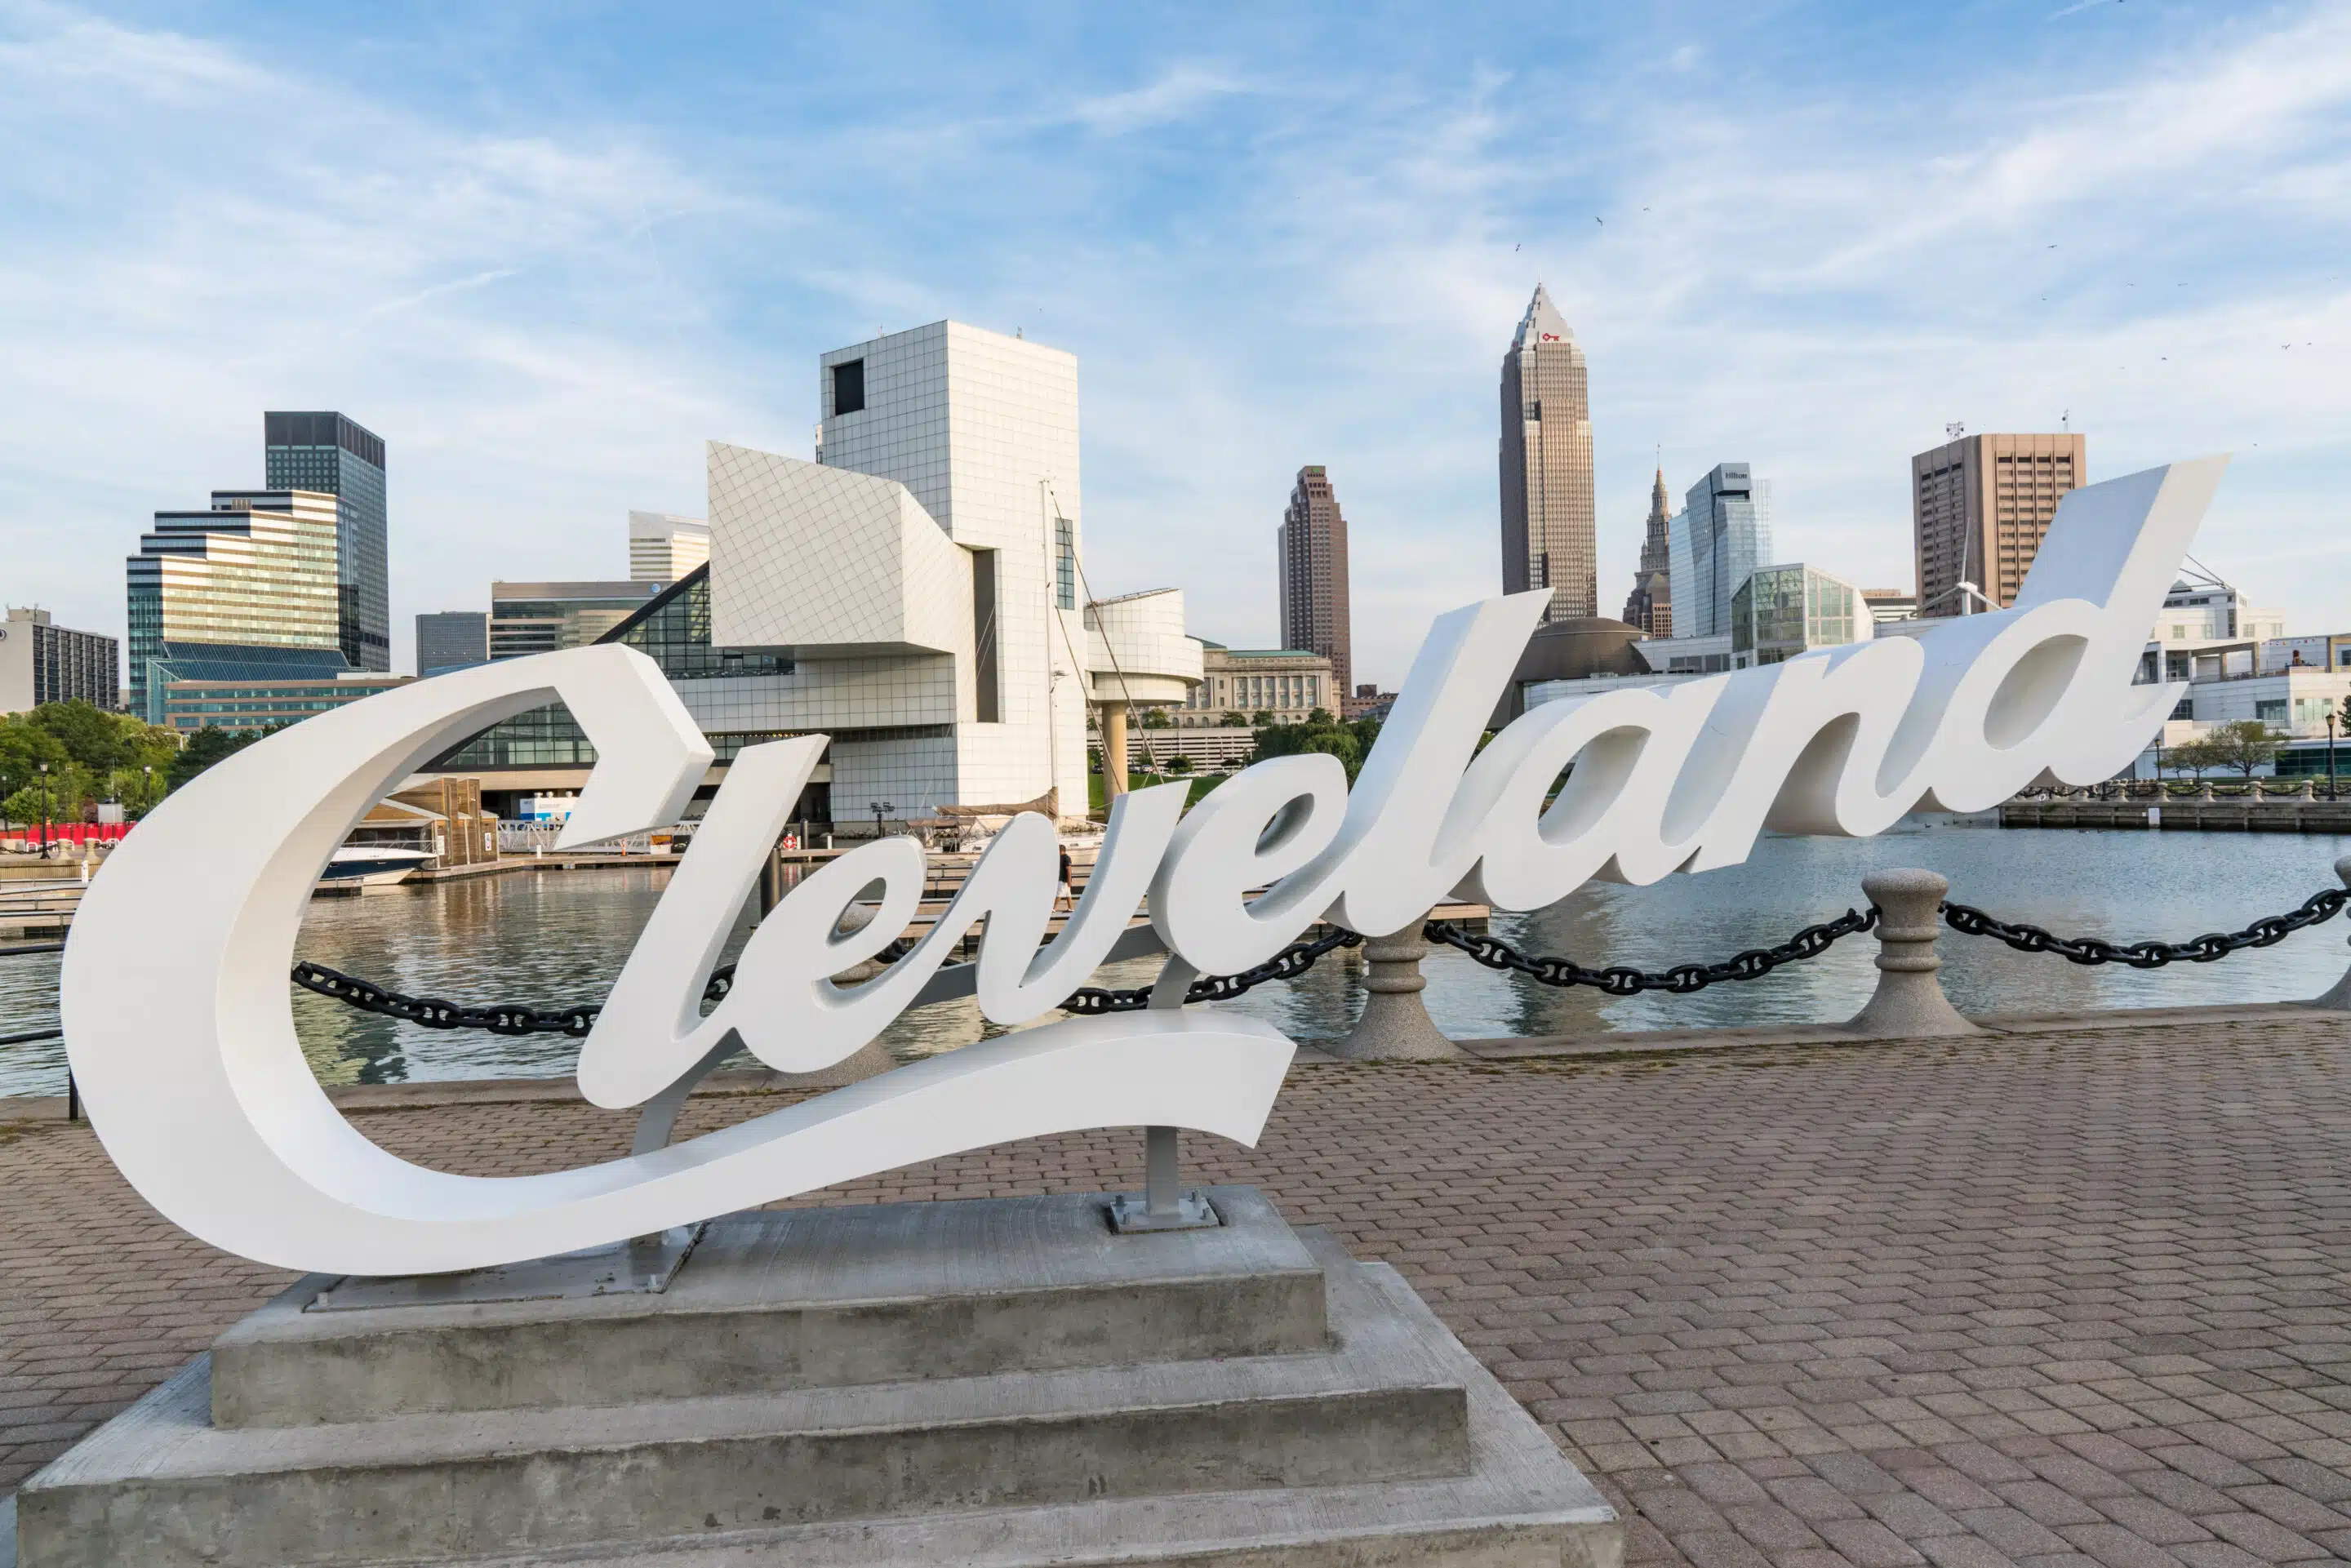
(2060,1300)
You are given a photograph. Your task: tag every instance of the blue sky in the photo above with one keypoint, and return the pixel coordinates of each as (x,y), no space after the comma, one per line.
(546,251)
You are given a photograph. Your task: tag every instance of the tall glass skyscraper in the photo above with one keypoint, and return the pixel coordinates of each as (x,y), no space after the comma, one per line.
(1720,538)
(325,452)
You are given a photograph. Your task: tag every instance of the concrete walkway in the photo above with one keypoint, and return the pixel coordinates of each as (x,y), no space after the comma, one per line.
(2057,1295)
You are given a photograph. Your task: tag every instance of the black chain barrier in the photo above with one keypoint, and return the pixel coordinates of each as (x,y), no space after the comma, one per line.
(432,1012)
(1287,965)
(1618,981)
(521,1017)
(2262,933)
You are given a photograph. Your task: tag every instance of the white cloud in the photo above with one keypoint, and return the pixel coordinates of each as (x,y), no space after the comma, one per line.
(1175,95)
(1318,263)
(1816,286)
(295,245)
(72,53)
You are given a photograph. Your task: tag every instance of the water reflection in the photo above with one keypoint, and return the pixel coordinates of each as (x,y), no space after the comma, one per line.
(552,937)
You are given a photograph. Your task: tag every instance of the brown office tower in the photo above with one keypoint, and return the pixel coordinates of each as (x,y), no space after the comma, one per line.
(1546,521)
(1313,549)
(1650,605)
(1979,507)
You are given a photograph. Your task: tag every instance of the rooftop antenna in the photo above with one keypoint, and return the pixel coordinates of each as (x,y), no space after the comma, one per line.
(2065,421)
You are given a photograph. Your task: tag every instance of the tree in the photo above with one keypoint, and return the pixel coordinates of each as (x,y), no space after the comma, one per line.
(2195,756)
(92,755)
(1236,721)
(1320,716)
(1153,718)
(91,736)
(1349,743)
(26,749)
(1261,720)
(1338,743)
(2244,744)
(1179,766)
(206,746)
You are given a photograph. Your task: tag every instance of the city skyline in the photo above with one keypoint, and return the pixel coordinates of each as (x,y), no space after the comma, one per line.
(546,311)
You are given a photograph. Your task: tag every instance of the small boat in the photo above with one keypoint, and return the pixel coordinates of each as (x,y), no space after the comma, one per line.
(365,866)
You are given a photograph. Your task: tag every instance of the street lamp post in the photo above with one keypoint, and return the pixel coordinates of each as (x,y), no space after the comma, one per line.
(878,808)
(2330,757)
(45,810)
(147,789)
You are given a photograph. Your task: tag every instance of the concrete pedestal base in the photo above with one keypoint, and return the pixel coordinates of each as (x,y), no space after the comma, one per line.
(1395,1024)
(1002,1382)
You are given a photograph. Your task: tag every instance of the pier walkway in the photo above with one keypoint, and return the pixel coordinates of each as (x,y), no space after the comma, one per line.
(2076,1293)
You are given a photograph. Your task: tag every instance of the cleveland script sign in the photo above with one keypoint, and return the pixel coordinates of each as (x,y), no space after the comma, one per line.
(180,1027)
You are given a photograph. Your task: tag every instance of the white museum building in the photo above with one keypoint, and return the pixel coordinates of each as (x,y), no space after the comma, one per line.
(918,593)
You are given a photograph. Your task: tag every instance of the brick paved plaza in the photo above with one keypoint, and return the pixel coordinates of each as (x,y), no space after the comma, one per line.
(2060,1297)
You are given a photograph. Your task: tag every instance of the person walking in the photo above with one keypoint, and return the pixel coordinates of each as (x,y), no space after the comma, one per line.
(1062,899)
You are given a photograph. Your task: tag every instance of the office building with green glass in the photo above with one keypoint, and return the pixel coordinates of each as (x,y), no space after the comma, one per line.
(332,454)
(243,590)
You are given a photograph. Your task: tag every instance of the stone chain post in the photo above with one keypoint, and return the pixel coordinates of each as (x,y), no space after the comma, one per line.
(1909,1002)
(2338,995)
(1395,1024)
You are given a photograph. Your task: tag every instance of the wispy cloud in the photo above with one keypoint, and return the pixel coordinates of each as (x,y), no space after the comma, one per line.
(438,290)
(546,279)
(1177,94)
(1817,286)
(296,245)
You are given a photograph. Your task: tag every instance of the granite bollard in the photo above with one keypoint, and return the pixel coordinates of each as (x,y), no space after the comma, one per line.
(1395,1024)
(1909,1000)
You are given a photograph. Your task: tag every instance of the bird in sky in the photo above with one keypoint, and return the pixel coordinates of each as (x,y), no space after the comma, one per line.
(1598,219)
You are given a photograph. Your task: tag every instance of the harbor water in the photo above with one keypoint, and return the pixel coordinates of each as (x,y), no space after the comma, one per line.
(557,938)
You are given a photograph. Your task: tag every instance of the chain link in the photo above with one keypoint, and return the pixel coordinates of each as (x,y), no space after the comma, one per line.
(1287,965)
(2262,933)
(432,1012)
(521,1017)
(1619,980)
(1616,981)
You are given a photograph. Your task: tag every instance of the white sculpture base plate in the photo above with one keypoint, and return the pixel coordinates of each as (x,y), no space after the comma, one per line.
(1130,1213)
(642,1266)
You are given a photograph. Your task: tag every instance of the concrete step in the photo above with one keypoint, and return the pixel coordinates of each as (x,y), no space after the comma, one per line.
(801,1299)
(160,1485)
(1521,1505)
